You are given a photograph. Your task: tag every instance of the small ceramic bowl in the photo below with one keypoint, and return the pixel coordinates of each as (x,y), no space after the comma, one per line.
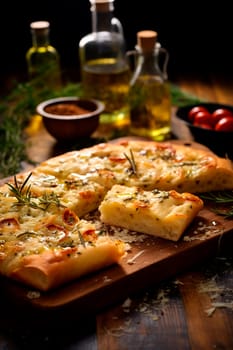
(70,118)
(220,142)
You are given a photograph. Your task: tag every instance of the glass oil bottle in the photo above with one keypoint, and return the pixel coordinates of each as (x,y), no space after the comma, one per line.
(105,73)
(42,58)
(43,64)
(150,101)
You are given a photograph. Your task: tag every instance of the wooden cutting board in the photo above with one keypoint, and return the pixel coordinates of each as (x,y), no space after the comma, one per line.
(149,261)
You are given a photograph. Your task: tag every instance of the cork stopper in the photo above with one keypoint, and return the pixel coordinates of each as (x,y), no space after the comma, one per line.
(146,40)
(39,25)
(102,5)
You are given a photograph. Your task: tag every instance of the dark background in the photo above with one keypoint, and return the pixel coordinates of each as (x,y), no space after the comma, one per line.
(199,39)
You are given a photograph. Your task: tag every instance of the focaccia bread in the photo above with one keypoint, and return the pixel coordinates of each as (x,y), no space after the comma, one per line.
(164,214)
(44,244)
(146,164)
(75,192)
(45,241)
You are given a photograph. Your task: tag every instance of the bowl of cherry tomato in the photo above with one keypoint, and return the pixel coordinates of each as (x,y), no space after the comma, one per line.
(210,124)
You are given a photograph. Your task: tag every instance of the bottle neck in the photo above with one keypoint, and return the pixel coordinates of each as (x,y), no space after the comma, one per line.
(148,62)
(40,37)
(102,15)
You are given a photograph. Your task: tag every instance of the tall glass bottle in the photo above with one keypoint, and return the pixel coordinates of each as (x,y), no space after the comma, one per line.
(42,58)
(43,63)
(150,101)
(105,73)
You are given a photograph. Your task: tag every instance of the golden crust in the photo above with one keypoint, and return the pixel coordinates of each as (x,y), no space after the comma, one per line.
(47,248)
(51,269)
(164,214)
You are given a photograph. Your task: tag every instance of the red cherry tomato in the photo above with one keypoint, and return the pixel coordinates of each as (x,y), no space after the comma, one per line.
(193,111)
(219,113)
(203,118)
(225,124)
(203,125)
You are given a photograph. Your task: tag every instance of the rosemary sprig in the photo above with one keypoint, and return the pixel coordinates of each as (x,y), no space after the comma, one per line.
(24,196)
(131,160)
(219,196)
(227,213)
(48,199)
(222,198)
(17,190)
(82,241)
(182,98)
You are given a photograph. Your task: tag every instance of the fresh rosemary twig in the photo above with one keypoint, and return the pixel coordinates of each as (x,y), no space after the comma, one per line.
(24,197)
(82,240)
(181,98)
(48,199)
(131,160)
(219,196)
(223,198)
(17,190)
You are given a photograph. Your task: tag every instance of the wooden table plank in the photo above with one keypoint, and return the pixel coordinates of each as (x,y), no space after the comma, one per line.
(155,317)
(206,332)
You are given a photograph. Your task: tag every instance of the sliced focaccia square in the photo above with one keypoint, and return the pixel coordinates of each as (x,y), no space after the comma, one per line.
(164,214)
(45,246)
(75,192)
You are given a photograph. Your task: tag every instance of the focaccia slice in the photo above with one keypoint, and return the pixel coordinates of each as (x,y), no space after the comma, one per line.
(45,246)
(147,164)
(164,214)
(75,192)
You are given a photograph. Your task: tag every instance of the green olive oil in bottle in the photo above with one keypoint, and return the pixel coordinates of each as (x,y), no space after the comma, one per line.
(43,64)
(42,58)
(150,101)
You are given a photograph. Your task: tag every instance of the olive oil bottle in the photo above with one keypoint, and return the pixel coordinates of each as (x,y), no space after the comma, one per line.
(43,60)
(150,100)
(43,64)
(105,73)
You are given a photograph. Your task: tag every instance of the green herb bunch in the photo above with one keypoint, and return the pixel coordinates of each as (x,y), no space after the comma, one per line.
(16,110)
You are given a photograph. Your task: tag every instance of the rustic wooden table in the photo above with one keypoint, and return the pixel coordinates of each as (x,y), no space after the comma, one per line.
(192,310)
